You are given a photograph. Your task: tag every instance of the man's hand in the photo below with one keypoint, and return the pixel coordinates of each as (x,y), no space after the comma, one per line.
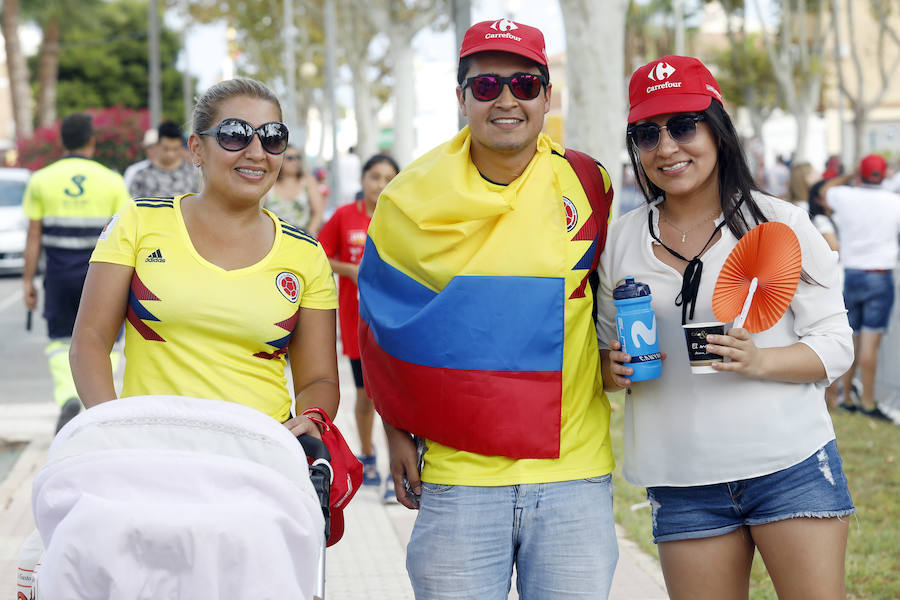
(403,459)
(31,294)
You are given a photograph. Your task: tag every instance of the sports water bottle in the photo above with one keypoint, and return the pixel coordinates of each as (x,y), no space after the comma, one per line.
(636,326)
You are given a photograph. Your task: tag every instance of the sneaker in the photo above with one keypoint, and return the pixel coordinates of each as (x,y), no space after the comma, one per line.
(390,496)
(847,406)
(876,413)
(370,470)
(68,412)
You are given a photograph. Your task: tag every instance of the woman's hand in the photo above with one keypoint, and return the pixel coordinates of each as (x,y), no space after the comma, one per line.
(302,424)
(614,366)
(737,345)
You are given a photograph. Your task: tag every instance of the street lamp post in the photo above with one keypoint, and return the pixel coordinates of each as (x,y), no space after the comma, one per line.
(155,99)
(330,81)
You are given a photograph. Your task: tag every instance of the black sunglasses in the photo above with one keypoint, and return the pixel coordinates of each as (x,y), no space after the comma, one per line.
(681,128)
(524,86)
(236,134)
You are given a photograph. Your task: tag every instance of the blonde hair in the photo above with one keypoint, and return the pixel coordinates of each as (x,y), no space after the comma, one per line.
(206,106)
(798,187)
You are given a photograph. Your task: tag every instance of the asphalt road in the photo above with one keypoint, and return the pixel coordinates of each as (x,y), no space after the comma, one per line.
(24,376)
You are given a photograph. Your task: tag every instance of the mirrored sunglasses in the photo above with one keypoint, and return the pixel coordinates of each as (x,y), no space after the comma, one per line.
(681,128)
(236,134)
(524,86)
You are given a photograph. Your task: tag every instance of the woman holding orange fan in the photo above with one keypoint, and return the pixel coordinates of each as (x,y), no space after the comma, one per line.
(743,456)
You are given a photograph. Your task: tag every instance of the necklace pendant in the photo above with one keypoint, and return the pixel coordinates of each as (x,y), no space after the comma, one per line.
(684,237)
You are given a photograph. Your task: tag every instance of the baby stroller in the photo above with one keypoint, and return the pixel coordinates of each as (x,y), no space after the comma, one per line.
(171,497)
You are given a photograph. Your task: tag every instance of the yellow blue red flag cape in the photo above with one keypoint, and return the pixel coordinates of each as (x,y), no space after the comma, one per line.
(462,289)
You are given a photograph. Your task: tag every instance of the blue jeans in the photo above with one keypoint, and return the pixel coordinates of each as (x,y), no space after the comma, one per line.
(560,537)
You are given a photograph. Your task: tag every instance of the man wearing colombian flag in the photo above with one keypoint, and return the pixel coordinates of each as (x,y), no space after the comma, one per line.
(477,334)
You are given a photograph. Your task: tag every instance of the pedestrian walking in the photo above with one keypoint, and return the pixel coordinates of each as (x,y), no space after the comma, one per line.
(477,335)
(214,290)
(149,144)
(742,458)
(868,219)
(67,204)
(295,196)
(343,238)
(169,172)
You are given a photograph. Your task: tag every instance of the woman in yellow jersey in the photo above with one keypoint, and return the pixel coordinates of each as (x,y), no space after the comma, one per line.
(215,291)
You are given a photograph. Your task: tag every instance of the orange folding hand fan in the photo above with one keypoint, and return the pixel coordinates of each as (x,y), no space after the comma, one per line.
(759,278)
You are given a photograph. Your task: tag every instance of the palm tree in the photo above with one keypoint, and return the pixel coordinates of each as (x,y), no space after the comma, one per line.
(18,69)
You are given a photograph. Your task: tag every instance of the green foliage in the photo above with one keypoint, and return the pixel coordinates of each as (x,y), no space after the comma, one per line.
(650,30)
(259,42)
(103,59)
(118,133)
(745,66)
(869,450)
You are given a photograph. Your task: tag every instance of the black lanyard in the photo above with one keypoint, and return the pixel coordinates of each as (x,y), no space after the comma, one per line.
(690,281)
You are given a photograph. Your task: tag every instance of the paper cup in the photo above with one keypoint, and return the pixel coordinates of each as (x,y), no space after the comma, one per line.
(695,337)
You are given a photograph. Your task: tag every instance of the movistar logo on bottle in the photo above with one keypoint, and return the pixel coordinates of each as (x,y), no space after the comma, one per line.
(644,338)
(639,330)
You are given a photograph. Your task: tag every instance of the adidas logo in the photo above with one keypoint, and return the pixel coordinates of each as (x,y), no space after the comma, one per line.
(156,257)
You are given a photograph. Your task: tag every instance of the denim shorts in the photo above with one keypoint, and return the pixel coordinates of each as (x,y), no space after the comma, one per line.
(560,537)
(868,296)
(815,487)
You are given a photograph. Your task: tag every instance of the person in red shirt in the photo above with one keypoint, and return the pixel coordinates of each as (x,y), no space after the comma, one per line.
(343,238)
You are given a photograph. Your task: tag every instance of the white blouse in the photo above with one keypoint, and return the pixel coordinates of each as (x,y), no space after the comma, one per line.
(684,429)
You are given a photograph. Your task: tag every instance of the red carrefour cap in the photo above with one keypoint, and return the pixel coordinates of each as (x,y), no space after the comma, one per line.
(504,35)
(671,84)
(873,166)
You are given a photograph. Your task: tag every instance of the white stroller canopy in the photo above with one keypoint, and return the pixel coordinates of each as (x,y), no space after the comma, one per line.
(168,497)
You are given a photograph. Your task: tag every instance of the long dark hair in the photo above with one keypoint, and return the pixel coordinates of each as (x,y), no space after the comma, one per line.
(735,179)
(380,158)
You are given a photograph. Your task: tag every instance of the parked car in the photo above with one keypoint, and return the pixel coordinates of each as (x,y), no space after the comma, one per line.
(13,223)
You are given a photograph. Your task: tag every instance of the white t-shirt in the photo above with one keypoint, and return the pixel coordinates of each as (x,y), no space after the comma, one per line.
(684,429)
(868,219)
(823,224)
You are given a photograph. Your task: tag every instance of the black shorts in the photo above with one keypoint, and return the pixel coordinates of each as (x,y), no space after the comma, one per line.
(356,365)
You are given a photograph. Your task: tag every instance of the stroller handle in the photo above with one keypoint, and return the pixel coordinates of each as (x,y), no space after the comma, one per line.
(320,473)
(314,447)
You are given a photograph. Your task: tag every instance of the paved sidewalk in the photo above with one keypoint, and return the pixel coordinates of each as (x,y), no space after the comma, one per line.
(368,563)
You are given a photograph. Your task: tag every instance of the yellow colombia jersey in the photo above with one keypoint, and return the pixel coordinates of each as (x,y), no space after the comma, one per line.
(195,329)
(585,449)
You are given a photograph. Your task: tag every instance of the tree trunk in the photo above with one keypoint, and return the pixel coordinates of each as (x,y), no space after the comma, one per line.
(18,70)
(597,111)
(48,72)
(357,32)
(859,126)
(801,115)
(404,100)
(366,129)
